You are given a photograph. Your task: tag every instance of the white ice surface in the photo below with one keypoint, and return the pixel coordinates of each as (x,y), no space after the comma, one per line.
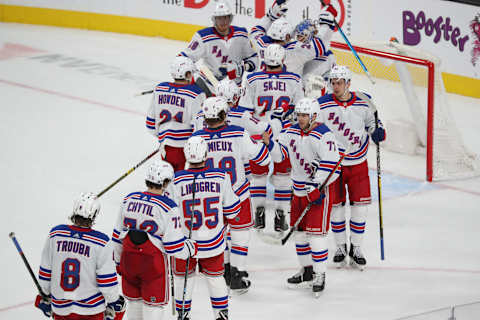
(69,126)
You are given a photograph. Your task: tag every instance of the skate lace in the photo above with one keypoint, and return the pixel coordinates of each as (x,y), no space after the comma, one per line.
(318,278)
(340,251)
(357,252)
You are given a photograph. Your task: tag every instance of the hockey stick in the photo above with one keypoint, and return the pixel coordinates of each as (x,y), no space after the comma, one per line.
(281,242)
(182,311)
(351,47)
(127,173)
(379,174)
(143,93)
(25,261)
(172,285)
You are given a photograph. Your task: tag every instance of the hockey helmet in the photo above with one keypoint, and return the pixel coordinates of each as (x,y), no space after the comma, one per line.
(180,66)
(159,172)
(195,149)
(229,90)
(213,106)
(86,206)
(340,72)
(222,9)
(279,29)
(274,55)
(307,106)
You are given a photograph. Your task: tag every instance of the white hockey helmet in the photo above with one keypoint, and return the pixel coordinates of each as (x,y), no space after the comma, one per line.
(274,55)
(279,29)
(222,9)
(307,106)
(180,66)
(86,206)
(229,90)
(213,106)
(340,72)
(195,149)
(159,172)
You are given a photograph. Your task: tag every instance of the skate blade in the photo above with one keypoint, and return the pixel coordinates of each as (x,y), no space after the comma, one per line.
(238,292)
(317,295)
(354,265)
(340,265)
(302,285)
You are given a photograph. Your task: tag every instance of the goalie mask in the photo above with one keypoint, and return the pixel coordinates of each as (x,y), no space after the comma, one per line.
(180,66)
(279,30)
(229,90)
(195,150)
(274,55)
(305,30)
(159,172)
(86,206)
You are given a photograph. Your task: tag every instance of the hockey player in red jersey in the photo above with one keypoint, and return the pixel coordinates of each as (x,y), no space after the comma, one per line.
(77,271)
(207,200)
(172,110)
(147,230)
(352,121)
(313,153)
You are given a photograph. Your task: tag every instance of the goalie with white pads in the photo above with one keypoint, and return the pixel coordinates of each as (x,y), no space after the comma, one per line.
(313,153)
(350,118)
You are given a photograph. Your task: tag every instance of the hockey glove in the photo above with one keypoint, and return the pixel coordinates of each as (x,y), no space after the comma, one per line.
(314,195)
(327,16)
(44,304)
(278,10)
(378,135)
(116,309)
(249,65)
(232,70)
(192,247)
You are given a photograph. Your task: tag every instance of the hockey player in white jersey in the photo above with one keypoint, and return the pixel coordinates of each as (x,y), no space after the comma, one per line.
(148,229)
(274,28)
(313,153)
(225,49)
(77,271)
(353,122)
(208,201)
(273,93)
(229,147)
(172,110)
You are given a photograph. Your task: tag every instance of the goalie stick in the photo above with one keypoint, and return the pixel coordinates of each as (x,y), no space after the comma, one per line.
(281,241)
(379,173)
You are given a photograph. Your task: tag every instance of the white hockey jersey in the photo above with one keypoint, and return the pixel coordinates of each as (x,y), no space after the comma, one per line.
(302,148)
(171,112)
(266,91)
(229,148)
(297,53)
(77,270)
(216,50)
(351,122)
(238,116)
(154,214)
(215,201)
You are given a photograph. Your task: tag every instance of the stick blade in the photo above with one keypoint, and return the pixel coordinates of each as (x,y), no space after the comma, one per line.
(11,235)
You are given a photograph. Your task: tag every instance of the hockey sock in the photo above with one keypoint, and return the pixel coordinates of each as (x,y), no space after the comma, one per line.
(134,309)
(258,191)
(303,249)
(152,312)
(319,247)
(283,191)
(226,253)
(357,223)
(179,282)
(218,294)
(338,225)
(239,251)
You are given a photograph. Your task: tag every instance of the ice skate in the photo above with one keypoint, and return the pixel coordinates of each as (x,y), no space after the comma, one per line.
(357,259)
(238,283)
(279,223)
(318,284)
(340,257)
(302,279)
(260,218)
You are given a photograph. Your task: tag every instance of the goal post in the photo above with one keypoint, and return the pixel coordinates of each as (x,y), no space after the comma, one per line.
(411,86)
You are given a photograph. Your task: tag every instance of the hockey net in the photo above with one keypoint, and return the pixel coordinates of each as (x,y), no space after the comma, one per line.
(411,101)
